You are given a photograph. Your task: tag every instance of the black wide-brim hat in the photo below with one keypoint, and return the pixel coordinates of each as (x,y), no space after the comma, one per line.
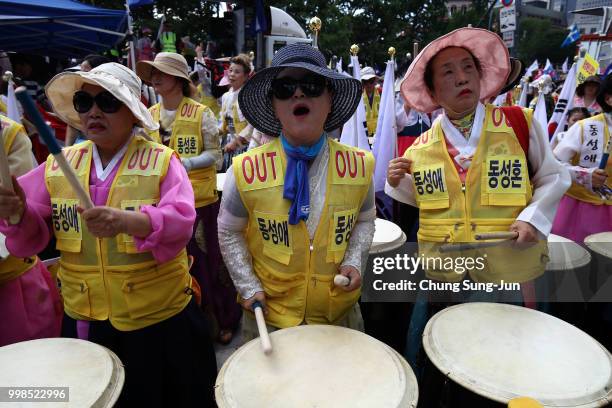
(605,88)
(256,104)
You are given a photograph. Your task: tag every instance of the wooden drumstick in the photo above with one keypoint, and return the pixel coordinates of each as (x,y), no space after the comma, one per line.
(341,280)
(266,345)
(5,175)
(53,146)
(497,235)
(468,245)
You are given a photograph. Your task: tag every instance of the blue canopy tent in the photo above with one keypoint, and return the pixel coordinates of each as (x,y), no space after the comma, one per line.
(62,28)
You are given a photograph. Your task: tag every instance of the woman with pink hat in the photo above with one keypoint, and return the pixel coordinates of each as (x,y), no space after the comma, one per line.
(190,129)
(479,168)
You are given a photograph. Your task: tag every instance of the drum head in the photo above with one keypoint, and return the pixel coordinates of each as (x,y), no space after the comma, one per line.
(387,237)
(316,366)
(502,352)
(565,254)
(93,373)
(600,243)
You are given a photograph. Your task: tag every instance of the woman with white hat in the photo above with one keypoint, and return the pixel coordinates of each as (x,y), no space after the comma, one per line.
(300,209)
(371,98)
(123,269)
(190,129)
(480,168)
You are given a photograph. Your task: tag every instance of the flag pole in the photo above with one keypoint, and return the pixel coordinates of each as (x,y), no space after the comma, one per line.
(130,36)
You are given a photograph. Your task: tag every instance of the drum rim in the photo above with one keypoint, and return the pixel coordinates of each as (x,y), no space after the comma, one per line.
(583,261)
(108,395)
(392,245)
(475,386)
(412,388)
(595,245)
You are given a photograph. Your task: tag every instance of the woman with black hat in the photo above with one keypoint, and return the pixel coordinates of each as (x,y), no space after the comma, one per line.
(299,209)
(586,209)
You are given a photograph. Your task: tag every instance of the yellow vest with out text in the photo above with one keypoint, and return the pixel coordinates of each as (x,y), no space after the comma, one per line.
(168,41)
(12,267)
(497,188)
(297,277)
(371,111)
(3,108)
(238,124)
(108,278)
(209,101)
(186,140)
(595,135)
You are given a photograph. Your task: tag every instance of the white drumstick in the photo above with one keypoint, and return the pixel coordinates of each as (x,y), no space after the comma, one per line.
(266,345)
(341,280)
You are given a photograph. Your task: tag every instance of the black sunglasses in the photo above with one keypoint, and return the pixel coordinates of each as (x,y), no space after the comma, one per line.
(311,85)
(83,102)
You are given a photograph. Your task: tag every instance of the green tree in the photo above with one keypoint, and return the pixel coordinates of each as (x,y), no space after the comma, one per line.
(539,39)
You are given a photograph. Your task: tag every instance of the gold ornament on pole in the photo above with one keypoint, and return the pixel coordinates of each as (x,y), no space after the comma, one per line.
(7,76)
(251,55)
(392,52)
(354,49)
(315,26)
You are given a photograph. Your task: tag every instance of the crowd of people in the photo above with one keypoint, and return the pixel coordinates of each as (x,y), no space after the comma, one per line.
(163,264)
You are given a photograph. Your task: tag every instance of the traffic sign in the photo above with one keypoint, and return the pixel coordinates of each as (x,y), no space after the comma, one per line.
(507,3)
(507,19)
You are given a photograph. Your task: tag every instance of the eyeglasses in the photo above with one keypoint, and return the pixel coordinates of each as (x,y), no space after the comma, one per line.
(83,102)
(312,86)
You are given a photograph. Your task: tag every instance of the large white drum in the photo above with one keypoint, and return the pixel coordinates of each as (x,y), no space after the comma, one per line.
(316,366)
(601,246)
(93,373)
(387,237)
(565,254)
(503,352)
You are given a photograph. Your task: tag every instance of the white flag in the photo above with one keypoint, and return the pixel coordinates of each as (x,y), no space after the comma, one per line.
(354,131)
(12,106)
(385,144)
(565,101)
(564,66)
(339,65)
(522,102)
(540,111)
(548,67)
(533,67)
(501,98)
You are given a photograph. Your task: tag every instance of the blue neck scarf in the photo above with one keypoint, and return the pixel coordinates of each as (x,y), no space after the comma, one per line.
(296,187)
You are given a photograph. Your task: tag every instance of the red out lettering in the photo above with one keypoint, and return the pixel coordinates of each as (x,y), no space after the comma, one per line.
(188,110)
(271,156)
(81,154)
(143,153)
(248,178)
(497,116)
(352,171)
(338,157)
(263,165)
(158,150)
(362,155)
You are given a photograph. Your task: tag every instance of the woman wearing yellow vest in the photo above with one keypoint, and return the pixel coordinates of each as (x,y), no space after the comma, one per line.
(123,268)
(190,129)
(469,173)
(234,126)
(30,305)
(584,210)
(300,209)
(371,98)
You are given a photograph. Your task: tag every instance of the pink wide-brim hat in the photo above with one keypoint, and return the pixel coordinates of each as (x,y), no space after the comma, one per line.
(485,45)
